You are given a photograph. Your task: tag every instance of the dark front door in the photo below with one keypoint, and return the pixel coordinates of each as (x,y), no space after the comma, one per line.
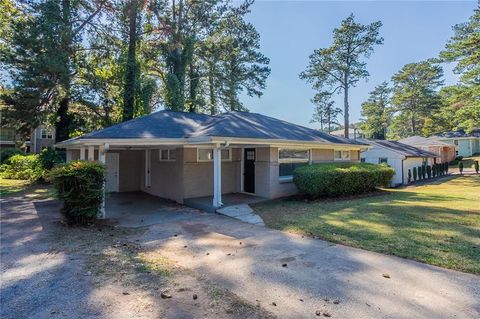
(249,171)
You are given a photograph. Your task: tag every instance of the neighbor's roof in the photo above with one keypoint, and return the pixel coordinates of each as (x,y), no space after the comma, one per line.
(178,125)
(403,149)
(422,141)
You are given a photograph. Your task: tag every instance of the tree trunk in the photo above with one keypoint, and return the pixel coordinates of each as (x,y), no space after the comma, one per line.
(413,123)
(131,66)
(211,88)
(63,123)
(346,110)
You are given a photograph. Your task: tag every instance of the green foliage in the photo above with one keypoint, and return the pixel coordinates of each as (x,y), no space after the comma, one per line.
(376,114)
(415,174)
(476,165)
(460,167)
(27,167)
(424,171)
(321,180)
(80,185)
(434,170)
(415,97)
(409,176)
(429,171)
(339,67)
(7,152)
(446,167)
(50,157)
(325,112)
(419,171)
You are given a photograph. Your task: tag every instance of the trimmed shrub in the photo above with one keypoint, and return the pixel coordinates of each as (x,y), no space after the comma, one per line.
(322,180)
(434,170)
(6,153)
(414,174)
(20,166)
(429,171)
(419,170)
(409,175)
(446,167)
(424,171)
(476,167)
(80,185)
(51,157)
(460,167)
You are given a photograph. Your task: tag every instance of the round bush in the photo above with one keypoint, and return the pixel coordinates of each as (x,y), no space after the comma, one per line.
(80,185)
(330,180)
(21,166)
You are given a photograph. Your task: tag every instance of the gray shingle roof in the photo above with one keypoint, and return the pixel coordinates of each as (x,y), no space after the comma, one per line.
(421,141)
(404,149)
(170,124)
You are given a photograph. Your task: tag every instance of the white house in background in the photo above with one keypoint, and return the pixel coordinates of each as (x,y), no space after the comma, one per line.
(399,156)
(353,133)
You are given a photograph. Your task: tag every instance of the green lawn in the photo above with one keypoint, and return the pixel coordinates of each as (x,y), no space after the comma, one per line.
(438,224)
(16,187)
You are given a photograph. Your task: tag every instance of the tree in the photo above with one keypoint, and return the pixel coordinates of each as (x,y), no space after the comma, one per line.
(376,112)
(325,112)
(415,97)
(339,67)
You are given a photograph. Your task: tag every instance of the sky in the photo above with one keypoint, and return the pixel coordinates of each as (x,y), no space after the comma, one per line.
(291,30)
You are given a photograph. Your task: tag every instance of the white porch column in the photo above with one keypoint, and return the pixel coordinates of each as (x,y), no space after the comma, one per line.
(148,164)
(217,177)
(102,158)
(91,153)
(69,155)
(82,153)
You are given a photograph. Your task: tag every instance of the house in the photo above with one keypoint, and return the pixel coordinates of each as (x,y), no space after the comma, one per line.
(399,156)
(42,137)
(353,133)
(445,152)
(179,156)
(466,144)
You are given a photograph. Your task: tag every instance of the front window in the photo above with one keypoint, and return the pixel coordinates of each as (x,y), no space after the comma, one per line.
(206,154)
(289,159)
(47,133)
(168,154)
(362,160)
(383,160)
(455,142)
(342,155)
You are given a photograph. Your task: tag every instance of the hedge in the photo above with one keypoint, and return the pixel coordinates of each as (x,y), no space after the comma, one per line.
(19,166)
(80,185)
(330,180)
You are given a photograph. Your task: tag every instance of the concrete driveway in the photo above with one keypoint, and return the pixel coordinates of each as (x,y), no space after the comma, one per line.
(297,277)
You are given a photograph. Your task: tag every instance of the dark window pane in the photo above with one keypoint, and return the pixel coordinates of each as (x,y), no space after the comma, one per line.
(286,169)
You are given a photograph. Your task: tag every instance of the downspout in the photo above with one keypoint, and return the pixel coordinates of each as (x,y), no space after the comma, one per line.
(403,173)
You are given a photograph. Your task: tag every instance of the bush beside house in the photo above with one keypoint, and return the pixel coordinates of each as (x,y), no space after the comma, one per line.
(330,180)
(17,165)
(80,185)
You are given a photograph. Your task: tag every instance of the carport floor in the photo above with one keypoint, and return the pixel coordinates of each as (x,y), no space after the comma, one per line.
(136,209)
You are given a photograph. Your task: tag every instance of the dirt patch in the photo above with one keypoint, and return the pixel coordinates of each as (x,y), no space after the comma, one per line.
(132,281)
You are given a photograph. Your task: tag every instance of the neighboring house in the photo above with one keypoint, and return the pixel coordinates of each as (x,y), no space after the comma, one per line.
(41,138)
(352,133)
(466,144)
(445,152)
(178,155)
(399,156)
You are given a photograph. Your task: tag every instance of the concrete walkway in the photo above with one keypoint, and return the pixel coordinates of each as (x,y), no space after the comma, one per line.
(242,212)
(297,277)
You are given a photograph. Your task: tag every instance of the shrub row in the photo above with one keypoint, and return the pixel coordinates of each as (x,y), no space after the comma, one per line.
(427,171)
(29,167)
(80,185)
(322,180)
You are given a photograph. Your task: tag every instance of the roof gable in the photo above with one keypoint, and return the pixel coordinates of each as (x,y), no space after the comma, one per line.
(400,148)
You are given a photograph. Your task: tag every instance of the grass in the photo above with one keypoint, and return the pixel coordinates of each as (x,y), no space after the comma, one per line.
(438,224)
(12,186)
(468,163)
(17,187)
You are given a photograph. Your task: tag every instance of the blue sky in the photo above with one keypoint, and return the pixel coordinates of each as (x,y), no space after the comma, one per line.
(291,30)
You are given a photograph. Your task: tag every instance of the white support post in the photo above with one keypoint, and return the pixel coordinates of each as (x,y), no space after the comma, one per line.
(102,159)
(69,155)
(82,153)
(217,177)
(148,164)
(91,153)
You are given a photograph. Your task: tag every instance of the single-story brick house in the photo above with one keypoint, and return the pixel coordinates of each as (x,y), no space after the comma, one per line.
(177,155)
(399,156)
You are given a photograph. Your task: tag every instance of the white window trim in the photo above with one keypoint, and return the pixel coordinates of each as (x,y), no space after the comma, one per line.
(211,160)
(342,159)
(166,160)
(48,133)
